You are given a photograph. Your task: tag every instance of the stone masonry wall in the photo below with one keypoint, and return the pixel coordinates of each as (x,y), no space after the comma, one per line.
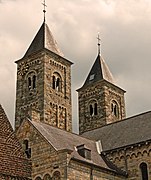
(45,159)
(57,103)
(78,171)
(53,105)
(103,93)
(130,158)
(28,98)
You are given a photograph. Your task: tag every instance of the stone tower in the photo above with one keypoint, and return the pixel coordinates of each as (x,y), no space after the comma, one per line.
(100,101)
(44,83)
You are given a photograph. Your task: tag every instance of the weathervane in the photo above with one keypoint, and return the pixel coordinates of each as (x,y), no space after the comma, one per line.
(99,43)
(44,10)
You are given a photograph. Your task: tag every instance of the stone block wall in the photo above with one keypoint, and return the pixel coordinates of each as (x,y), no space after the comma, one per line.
(45,159)
(104,94)
(54,105)
(130,158)
(81,171)
(28,98)
(57,103)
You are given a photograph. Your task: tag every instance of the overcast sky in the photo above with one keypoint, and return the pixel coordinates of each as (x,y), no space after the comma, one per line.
(125,29)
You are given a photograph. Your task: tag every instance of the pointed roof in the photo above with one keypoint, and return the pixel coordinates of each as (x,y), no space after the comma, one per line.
(99,71)
(11,151)
(43,40)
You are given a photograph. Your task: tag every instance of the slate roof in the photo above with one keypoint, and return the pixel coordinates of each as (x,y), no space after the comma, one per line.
(123,133)
(43,39)
(99,71)
(62,140)
(13,161)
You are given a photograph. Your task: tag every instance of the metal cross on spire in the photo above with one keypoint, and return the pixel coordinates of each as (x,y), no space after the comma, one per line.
(44,10)
(99,43)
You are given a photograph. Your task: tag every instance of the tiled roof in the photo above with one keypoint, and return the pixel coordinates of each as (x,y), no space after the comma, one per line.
(123,133)
(12,158)
(99,71)
(62,140)
(43,40)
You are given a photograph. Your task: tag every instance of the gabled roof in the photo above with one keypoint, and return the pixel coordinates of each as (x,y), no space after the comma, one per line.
(123,133)
(63,140)
(12,158)
(99,71)
(43,39)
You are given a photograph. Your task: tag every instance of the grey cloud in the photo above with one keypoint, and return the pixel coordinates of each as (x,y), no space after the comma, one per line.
(126,41)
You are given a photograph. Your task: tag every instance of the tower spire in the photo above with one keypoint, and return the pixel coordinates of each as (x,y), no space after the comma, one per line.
(44,10)
(99,43)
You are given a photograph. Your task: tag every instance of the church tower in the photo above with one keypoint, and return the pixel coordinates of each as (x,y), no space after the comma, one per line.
(100,101)
(44,83)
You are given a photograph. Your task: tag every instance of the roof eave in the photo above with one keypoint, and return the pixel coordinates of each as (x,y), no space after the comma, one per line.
(85,86)
(47,50)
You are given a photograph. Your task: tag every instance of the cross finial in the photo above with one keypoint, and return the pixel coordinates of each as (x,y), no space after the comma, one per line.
(99,43)
(44,10)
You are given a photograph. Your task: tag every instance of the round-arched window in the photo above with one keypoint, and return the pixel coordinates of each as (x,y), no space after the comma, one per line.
(93,108)
(144,171)
(47,177)
(38,178)
(114,109)
(31,81)
(56,175)
(57,82)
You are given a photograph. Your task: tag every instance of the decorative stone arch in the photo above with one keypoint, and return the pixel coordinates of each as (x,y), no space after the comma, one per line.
(133,155)
(38,178)
(57,81)
(93,107)
(115,108)
(145,152)
(144,170)
(47,177)
(139,154)
(31,80)
(56,175)
(121,158)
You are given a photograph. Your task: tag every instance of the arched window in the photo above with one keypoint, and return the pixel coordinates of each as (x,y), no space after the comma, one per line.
(31,81)
(27,149)
(56,175)
(38,178)
(144,171)
(34,81)
(47,177)
(114,109)
(93,108)
(53,82)
(56,82)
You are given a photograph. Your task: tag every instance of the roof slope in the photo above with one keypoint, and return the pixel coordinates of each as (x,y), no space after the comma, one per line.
(61,140)
(123,133)
(12,158)
(43,39)
(99,71)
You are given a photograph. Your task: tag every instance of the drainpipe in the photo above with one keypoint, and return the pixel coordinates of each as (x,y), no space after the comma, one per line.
(125,159)
(91,173)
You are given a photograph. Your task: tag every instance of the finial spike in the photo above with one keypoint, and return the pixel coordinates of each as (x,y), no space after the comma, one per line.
(44,10)
(99,43)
